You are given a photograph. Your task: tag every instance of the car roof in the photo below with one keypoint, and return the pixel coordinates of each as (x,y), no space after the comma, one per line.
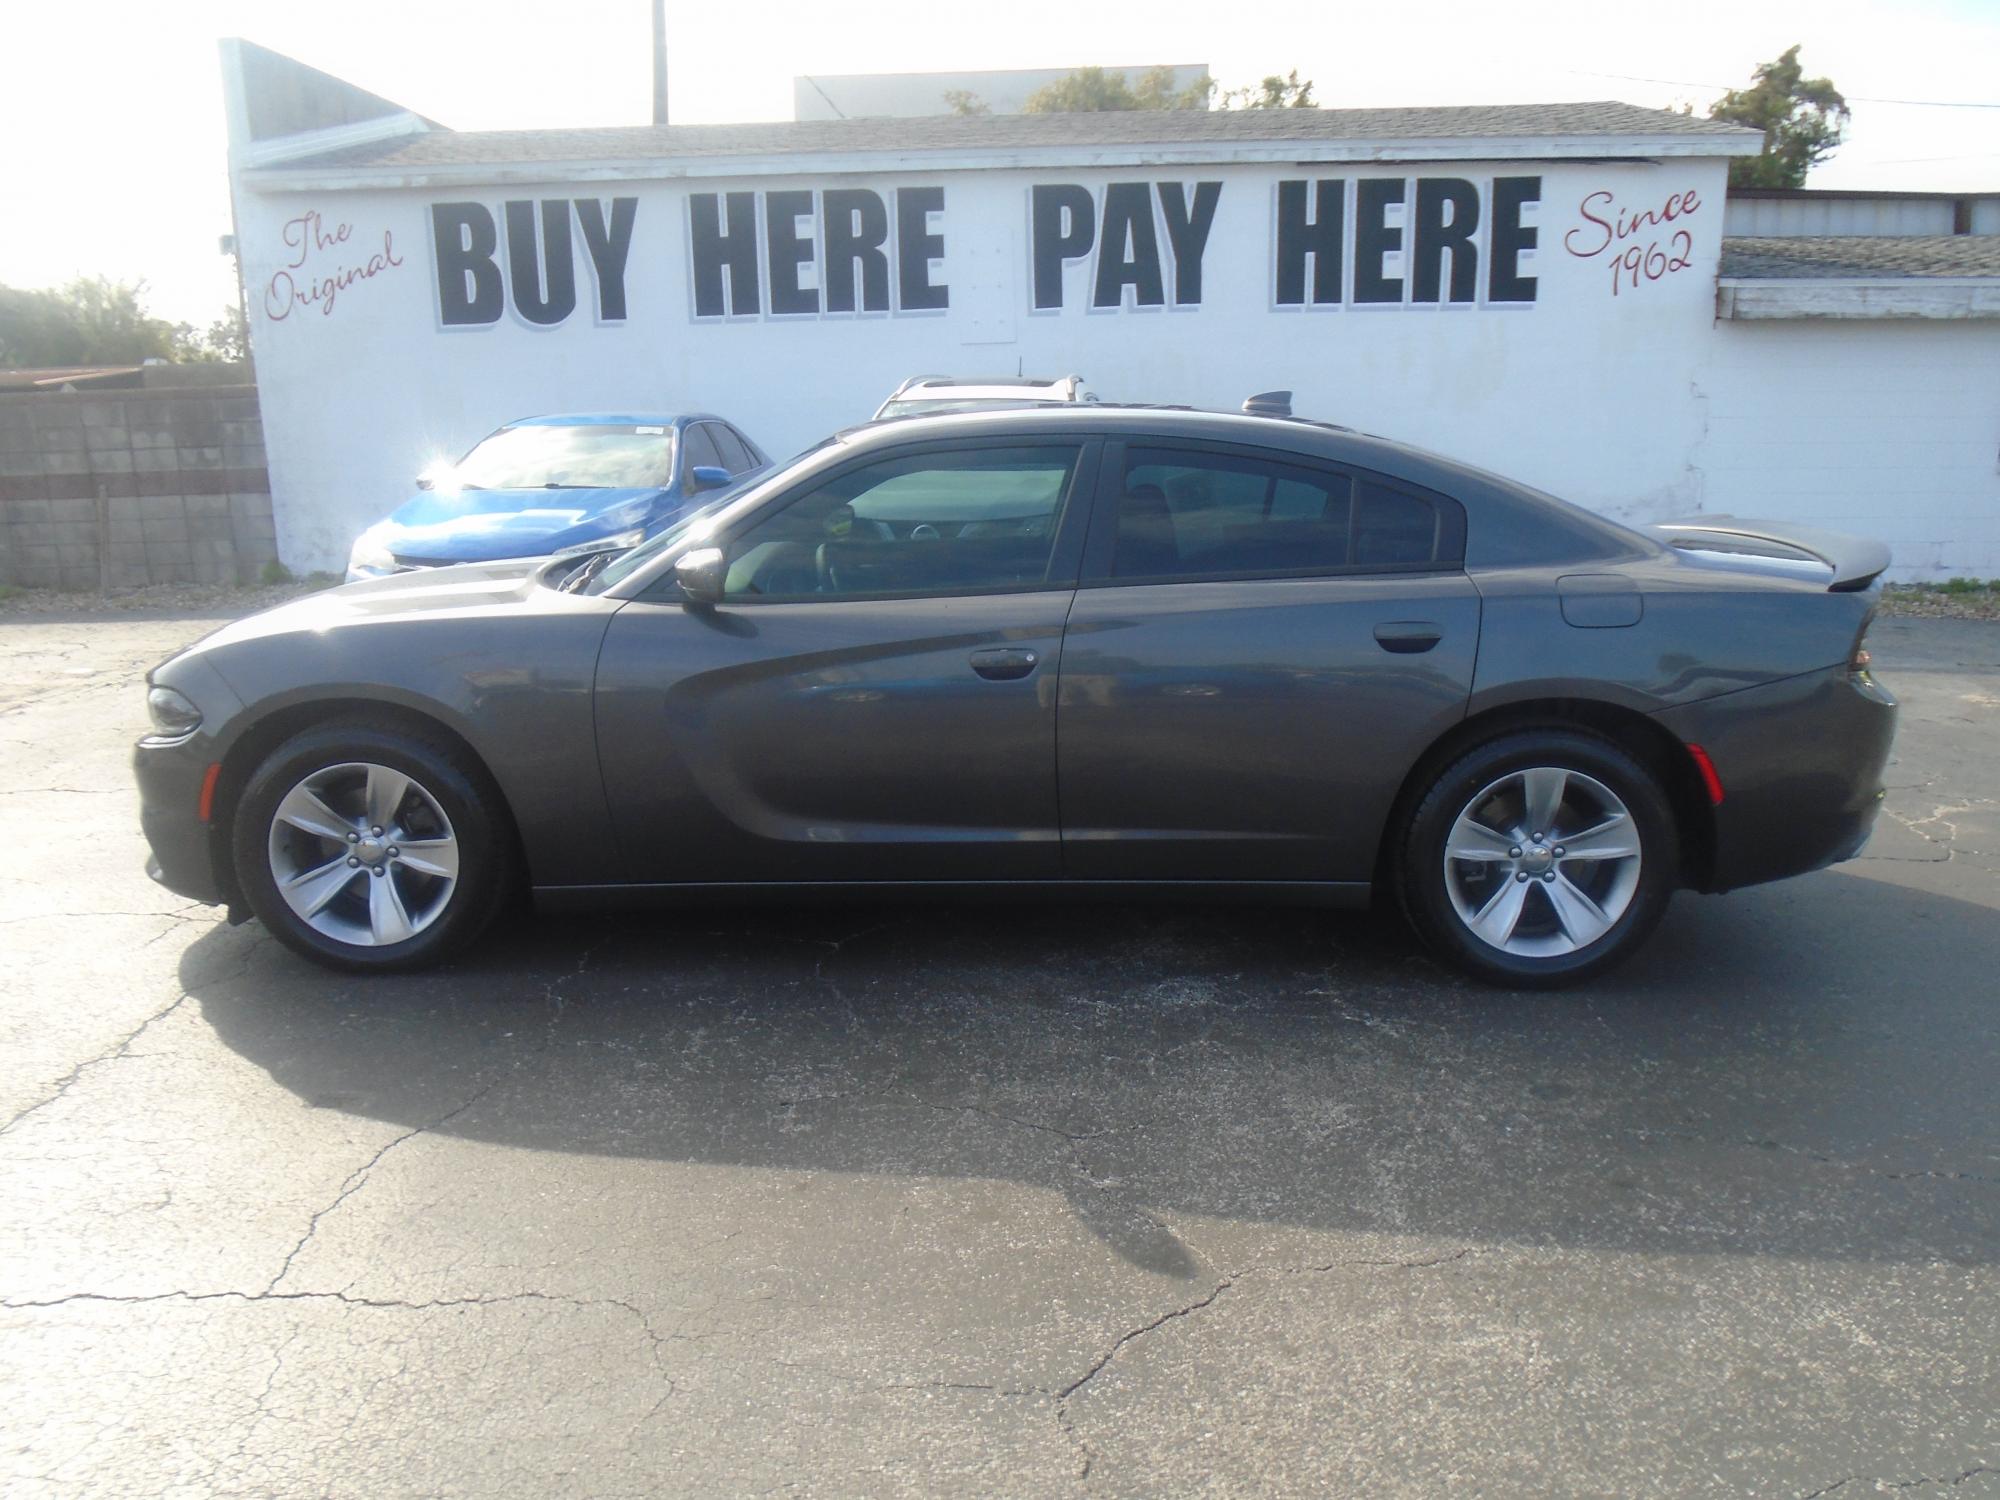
(964,390)
(614,419)
(919,382)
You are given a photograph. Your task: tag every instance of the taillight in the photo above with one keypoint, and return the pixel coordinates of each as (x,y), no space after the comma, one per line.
(1857,663)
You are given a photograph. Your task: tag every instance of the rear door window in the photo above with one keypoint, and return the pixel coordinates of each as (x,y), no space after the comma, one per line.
(1200,513)
(736,456)
(700,450)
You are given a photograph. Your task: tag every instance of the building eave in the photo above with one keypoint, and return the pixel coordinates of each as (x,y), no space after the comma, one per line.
(360,177)
(1747,299)
(272,154)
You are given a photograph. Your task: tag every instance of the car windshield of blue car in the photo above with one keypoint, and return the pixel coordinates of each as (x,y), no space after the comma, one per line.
(578,457)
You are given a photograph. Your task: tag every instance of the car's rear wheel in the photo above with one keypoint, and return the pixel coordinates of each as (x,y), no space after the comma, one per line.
(1539,858)
(371,849)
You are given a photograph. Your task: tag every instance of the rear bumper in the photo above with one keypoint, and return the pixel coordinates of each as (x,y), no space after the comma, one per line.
(1801,765)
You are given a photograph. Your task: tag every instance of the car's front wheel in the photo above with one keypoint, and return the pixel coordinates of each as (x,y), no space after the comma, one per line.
(1539,858)
(371,849)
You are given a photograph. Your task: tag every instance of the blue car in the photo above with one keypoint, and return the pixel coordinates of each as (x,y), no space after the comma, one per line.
(549,486)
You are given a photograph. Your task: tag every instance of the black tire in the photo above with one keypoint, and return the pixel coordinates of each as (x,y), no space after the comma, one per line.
(1420,860)
(478,821)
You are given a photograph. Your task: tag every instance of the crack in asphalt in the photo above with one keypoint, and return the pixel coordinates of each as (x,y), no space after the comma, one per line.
(1104,1359)
(123,1047)
(112,1054)
(348,1299)
(1230,1282)
(356,1179)
(1943,815)
(1889,1174)
(1947,1481)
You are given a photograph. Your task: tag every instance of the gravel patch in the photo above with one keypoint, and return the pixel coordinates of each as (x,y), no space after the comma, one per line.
(1931,602)
(218,599)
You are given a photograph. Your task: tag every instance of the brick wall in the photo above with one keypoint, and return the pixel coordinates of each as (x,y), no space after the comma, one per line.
(169,483)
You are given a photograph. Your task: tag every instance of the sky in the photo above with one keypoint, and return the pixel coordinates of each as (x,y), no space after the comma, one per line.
(112,157)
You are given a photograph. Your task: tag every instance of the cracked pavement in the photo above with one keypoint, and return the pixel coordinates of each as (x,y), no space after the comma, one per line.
(1040,1201)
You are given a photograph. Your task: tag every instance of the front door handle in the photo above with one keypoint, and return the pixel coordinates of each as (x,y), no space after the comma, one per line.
(1406,637)
(1004,663)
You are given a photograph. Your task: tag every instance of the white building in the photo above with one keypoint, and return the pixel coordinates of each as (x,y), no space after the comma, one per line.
(1543,290)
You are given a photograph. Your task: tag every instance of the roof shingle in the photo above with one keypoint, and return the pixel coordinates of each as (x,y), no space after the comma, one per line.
(1308,127)
(1860,257)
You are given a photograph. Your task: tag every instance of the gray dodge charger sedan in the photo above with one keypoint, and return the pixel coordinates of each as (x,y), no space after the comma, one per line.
(1116,650)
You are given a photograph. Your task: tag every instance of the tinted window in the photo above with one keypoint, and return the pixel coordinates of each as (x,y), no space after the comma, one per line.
(736,455)
(701,453)
(1392,528)
(929,524)
(1189,514)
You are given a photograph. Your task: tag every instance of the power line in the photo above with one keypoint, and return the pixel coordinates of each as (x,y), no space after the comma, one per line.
(838,111)
(1691,83)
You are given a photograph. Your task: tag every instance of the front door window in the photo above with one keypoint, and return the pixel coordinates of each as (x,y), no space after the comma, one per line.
(918,525)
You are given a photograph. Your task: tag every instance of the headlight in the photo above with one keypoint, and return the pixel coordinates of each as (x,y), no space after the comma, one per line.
(370,558)
(616,543)
(173,714)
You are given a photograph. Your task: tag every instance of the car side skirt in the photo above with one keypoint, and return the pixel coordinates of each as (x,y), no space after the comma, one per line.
(1345,895)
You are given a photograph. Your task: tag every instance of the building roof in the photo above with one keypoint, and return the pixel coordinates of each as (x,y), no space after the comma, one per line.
(1861,257)
(1601,128)
(55,377)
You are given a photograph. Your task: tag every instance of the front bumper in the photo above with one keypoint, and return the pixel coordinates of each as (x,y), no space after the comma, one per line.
(1801,765)
(170,777)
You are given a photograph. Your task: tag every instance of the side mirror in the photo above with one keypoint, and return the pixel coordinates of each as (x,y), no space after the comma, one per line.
(707,477)
(701,575)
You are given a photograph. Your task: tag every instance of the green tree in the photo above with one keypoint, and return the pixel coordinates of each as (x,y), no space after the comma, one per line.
(1273,93)
(1802,120)
(1086,91)
(1156,91)
(1091,89)
(965,102)
(226,339)
(91,321)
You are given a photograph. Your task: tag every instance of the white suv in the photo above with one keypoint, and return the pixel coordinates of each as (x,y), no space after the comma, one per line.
(934,393)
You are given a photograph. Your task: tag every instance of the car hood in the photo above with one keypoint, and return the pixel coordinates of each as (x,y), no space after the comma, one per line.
(474,525)
(467,590)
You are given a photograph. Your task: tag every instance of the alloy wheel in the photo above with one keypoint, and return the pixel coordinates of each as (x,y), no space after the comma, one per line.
(1542,862)
(363,853)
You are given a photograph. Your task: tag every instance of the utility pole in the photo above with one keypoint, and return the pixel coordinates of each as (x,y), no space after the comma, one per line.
(659,62)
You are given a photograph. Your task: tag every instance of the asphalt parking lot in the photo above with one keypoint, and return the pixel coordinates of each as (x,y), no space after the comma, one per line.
(1035,1201)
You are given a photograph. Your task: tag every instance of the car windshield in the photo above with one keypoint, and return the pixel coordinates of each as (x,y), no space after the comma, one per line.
(695,522)
(593,456)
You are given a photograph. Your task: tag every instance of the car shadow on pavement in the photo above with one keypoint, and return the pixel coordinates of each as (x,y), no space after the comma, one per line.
(1799,1070)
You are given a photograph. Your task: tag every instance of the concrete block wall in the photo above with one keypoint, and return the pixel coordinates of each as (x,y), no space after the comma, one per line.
(1888,429)
(126,488)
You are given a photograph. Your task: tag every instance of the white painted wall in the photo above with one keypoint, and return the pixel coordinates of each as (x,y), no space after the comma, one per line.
(1590,392)
(1760,217)
(1888,429)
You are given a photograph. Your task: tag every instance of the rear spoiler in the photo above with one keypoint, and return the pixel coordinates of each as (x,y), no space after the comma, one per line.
(1856,561)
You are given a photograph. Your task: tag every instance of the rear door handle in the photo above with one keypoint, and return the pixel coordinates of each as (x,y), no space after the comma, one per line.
(1406,637)
(1004,663)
